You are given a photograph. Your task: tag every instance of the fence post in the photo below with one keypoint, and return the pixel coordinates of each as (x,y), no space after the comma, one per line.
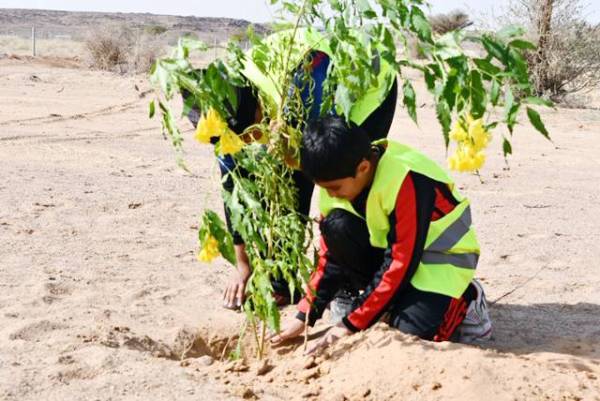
(33,51)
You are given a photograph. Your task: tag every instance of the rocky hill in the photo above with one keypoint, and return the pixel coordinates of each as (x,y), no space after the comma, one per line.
(75,25)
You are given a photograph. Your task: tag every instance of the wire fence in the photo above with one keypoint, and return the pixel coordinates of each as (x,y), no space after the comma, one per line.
(34,41)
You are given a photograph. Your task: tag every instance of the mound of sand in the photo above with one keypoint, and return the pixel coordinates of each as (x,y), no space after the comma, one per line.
(384,364)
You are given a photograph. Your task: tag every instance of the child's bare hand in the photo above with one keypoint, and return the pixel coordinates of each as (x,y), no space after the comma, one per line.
(292,329)
(234,293)
(233,296)
(332,335)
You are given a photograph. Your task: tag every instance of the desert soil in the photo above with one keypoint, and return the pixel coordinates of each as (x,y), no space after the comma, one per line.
(101,296)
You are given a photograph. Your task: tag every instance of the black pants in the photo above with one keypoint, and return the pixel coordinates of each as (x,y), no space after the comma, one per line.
(412,311)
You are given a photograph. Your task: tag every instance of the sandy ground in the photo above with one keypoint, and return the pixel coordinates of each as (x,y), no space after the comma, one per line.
(101,294)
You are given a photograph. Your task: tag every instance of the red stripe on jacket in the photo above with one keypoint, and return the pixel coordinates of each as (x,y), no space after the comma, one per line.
(402,252)
(315,279)
(452,319)
(443,204)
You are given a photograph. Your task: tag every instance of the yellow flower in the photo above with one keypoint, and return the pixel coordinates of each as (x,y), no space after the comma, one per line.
(230,143)
(479,134)
(453,162)
(465,160)
(468,118)
(210,125)
(210,249)
(471,142)
(458,133)
(479,160)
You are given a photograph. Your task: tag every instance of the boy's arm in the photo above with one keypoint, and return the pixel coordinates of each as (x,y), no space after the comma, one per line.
(324,284)
(409,223)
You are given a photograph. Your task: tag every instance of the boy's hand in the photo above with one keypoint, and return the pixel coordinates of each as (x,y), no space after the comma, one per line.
(294,328)
(333,334)
(233,296)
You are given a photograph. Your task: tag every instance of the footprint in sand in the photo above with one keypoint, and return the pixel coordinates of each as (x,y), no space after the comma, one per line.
(55,291)
(184,343)
(66,376)
(36,331)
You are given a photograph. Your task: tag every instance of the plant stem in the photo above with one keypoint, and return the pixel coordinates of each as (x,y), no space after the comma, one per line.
(287,61)
(306,328)
(255,333)
(263,334)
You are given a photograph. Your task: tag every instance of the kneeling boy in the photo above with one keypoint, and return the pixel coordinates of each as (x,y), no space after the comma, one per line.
(395,233)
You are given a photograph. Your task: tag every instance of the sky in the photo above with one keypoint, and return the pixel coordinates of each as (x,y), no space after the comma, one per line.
(252,10)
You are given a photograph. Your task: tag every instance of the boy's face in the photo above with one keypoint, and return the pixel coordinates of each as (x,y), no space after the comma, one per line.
(349,187)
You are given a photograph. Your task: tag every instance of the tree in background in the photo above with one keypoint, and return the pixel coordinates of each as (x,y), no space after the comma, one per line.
(543,24)
(567,59)
(448,22)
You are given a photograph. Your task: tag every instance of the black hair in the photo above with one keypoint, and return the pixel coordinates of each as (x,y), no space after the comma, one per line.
(332,149)
(241,118)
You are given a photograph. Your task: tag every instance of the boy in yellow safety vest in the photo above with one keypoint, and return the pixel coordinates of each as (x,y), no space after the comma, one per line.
(375,112)
(395,235)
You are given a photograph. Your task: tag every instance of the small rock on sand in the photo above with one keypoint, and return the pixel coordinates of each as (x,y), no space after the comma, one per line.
(309,363)
(236,366)
(263,367)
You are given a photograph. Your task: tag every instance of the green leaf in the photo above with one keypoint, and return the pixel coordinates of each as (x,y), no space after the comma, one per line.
(388,41)
(420,25)
(495,92)
(478,95)
(369,14)
(522,44)
(444,117)
(512,115)
(518,67)
(430,79)
(291,8)
(491,126)
(447,46)
(410,100)
(188,105)
(170,126)
(506,148)
(344,101)
(536,121)
(363,6)
(273,317)
(151,109)
(217,228)
(451,89)
(538,101)
(511,109)
(487,67)
(232,202)
(511,31)
(494,48)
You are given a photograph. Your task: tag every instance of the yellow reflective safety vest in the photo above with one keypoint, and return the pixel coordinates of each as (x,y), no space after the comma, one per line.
(451,249)
(306,40)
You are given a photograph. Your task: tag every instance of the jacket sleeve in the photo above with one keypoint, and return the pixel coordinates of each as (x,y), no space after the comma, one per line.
(323,285)
(409,223)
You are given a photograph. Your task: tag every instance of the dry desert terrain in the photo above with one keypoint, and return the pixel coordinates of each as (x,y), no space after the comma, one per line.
(101,293)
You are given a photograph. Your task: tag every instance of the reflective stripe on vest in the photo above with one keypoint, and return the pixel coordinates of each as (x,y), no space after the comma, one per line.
(450,237)
(464,260)
(451,249)
(307,40)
